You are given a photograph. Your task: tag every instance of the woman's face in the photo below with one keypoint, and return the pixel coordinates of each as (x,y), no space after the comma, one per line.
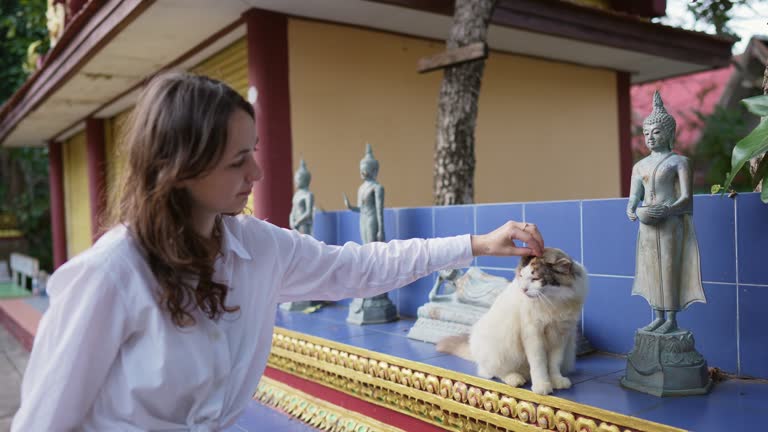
(655,138)
(226,187)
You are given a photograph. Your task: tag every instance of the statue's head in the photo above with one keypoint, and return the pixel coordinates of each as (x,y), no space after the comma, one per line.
(369,166)
(302,177)
(659,127)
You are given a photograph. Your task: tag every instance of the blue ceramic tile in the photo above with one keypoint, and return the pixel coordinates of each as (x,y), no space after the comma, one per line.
(453,363)
(490,217)
(752,238)
(713,220)
(390,224)
(609,237)
(612,314)
(413,295)
(333,313)
(258,417)
(396,345)
(454,220)
(397,328)
(730,406)
(605,392)
(596,365)
(349,227)
(559,224)
(336,332)
(415,223)
(714,325)
(753,322)
(324,227)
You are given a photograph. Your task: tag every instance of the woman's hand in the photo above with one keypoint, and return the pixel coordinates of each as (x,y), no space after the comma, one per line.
(501,241)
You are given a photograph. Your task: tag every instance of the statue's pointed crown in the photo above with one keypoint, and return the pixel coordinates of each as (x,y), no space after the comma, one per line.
(660,116)
(369,154)
(303,171)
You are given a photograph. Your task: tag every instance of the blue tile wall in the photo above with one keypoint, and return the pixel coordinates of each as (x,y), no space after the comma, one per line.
(454,220)
(559,224)
(349,227)
(752,239)
(729,329)
(324,227)
(713,219)
(753,322)
(490,217)
(612,314)
(415,223)
(609,238)
(714,325)
(390,224)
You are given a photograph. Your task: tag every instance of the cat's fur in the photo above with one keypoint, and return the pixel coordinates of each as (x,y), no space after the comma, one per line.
(529,333)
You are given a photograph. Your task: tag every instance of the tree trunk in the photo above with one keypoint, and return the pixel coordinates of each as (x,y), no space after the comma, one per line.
(755,162)
(454,168)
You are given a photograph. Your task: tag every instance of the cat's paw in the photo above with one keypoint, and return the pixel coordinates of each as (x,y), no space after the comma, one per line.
(542,388)
(561,382)
(514,379)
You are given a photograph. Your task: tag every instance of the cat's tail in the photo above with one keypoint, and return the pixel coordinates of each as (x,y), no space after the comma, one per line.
(456,345)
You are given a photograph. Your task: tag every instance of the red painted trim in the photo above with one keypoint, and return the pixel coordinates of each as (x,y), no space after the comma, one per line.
(343,400)
(56,185)
(267,41)
(624,109)
(97,170)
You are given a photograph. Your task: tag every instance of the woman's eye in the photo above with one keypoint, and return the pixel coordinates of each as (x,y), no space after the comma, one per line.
(238,164)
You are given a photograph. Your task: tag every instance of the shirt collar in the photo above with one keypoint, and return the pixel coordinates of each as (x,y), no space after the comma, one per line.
(230,243)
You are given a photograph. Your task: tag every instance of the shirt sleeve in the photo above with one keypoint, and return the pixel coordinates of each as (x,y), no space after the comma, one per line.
(75,346)
(316,271)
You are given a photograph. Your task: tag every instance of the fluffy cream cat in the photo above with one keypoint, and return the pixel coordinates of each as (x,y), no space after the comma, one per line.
(529,333)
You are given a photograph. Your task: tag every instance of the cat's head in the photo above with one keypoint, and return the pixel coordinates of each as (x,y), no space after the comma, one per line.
(554,275)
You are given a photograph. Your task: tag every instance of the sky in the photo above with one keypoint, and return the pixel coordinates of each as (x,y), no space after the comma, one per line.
(746,21)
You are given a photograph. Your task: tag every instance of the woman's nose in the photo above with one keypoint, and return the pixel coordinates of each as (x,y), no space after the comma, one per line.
(255,173)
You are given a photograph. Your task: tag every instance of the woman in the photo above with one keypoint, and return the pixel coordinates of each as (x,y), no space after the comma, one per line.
(166,322)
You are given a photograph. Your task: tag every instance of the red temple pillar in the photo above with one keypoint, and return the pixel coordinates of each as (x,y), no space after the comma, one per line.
(625,131)
(267,41)
(58,223)
(97,169)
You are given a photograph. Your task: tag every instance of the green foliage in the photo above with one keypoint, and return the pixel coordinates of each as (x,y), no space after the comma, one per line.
(22,22)
(717,13)
(713,151)
(753,145)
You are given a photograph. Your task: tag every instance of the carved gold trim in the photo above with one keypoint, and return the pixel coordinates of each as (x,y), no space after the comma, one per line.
(314,411)
(442,397)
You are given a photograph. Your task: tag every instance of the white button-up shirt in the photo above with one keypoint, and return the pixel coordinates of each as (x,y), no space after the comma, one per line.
(107,357)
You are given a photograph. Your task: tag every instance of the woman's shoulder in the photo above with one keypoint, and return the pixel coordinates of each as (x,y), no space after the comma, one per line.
(114,256)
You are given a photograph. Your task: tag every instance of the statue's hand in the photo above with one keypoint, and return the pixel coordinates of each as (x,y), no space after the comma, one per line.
(658,211)
(631,214)
(380,236)
(346,200)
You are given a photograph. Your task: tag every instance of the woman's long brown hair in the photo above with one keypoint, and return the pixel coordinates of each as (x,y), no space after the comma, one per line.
(177,131)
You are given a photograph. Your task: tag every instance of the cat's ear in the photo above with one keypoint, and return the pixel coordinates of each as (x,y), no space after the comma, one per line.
(563,265)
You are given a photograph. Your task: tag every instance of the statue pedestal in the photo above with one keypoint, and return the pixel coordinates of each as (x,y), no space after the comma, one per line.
(374,310)
(666,365)
(299,306)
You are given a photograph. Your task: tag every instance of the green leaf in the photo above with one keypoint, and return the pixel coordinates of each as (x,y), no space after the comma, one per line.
(764,192)
(757,105)
(716,188)
(750,146)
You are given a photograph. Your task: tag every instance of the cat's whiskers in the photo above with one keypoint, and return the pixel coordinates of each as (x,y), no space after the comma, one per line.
(550,308)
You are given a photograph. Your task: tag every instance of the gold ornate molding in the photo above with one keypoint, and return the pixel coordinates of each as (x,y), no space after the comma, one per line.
(314,411)
(442,397)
